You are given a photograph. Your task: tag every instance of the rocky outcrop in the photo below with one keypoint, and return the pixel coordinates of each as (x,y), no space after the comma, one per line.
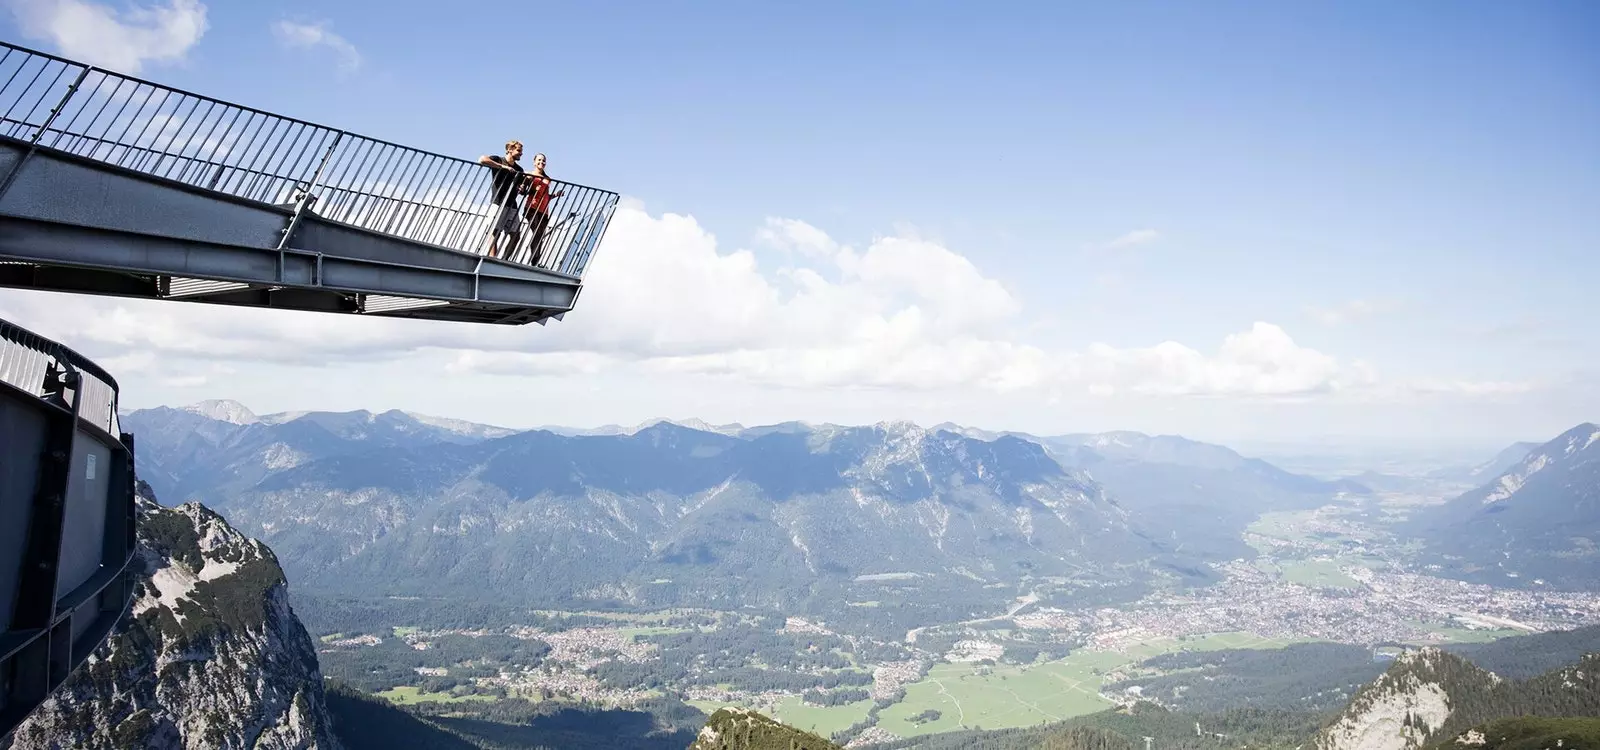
(1405,707)
(211,656)
(742,729)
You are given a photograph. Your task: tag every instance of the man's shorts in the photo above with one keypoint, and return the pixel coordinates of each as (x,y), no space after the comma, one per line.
(508,222)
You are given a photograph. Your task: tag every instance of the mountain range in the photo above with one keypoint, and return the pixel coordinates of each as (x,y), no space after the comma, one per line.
(949,521)
(1537,523)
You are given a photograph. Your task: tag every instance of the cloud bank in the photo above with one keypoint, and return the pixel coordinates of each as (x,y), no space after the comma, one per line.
(804,311)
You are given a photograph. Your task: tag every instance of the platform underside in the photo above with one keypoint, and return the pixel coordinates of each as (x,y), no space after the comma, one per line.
(74,225)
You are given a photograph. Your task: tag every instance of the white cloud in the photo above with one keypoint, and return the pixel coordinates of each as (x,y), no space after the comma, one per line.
(1135,237)
(1350,312)
(663,300)
(122,40)
(312,35)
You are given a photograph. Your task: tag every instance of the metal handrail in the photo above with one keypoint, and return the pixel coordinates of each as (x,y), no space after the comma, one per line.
(25,356)
(63,105)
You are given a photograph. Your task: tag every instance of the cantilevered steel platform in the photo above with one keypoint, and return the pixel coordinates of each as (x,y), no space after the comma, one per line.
(67,517)
(112,185)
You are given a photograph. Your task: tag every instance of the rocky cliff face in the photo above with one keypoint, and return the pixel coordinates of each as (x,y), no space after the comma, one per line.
(211,655)
(1408,705)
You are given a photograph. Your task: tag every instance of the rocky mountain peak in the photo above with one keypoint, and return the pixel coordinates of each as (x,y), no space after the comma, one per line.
(224,410)
(211,655)
(743,729)
(1408,704)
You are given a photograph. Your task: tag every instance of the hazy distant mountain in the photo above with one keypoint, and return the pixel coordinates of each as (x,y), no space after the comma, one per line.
(1502,462)
(1197,497)
(215,448)
(1537,523)
(1479,473)
(616,429)
(365,503)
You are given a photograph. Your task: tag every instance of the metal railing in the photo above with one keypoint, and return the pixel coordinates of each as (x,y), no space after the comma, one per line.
(59,104)
(27,359)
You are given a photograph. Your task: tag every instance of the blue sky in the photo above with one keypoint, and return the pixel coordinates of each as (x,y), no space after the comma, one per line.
(1412,186)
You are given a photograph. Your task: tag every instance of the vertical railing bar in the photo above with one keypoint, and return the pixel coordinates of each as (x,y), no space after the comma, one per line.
(402,176)
(368,189)
(151,119)
(88,130)
(200,146)
(24,92)
(351,174)
(447,181)
(424,194)
(383,190)
(259,177)
(249,141)
(44,91)
(218,175)
(416,180)
(249,151)
(260,144)
(131,119)
(348,167)
(181,157)
(360,188)
(431,178)
(155,149)
(268,168)
(218,155)
(174,149)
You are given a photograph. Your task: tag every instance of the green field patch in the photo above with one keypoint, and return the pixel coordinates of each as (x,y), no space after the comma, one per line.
(1285,525)
(824,720)
(969,696)
(331,637)
(401,631)
(1319,574)
(408,694)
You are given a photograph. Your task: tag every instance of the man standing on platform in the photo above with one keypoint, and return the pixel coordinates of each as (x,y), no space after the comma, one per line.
(506,175)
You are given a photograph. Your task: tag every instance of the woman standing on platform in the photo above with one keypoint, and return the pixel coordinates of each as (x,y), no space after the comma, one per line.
(537,208)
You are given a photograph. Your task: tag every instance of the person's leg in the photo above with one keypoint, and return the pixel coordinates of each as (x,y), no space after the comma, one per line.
(506,225)
(536,228)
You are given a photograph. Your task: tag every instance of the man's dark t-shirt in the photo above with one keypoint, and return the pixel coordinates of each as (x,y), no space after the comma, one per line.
(505,181)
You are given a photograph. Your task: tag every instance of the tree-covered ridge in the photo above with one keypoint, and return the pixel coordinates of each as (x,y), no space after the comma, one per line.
(1528,733)
(742,729)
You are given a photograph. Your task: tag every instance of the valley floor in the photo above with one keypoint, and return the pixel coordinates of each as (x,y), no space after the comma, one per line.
(1328,575)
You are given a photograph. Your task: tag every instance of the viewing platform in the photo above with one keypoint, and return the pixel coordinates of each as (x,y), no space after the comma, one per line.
(67,517)
(113,185)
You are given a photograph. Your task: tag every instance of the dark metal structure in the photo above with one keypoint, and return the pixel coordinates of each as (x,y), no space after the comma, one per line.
(66,516)
(114,185)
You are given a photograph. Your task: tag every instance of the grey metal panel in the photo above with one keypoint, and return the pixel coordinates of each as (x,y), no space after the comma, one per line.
(339,273)
(90,246)
(21,442)
(83,531)
(506,291)
(351,242)
(57,187)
